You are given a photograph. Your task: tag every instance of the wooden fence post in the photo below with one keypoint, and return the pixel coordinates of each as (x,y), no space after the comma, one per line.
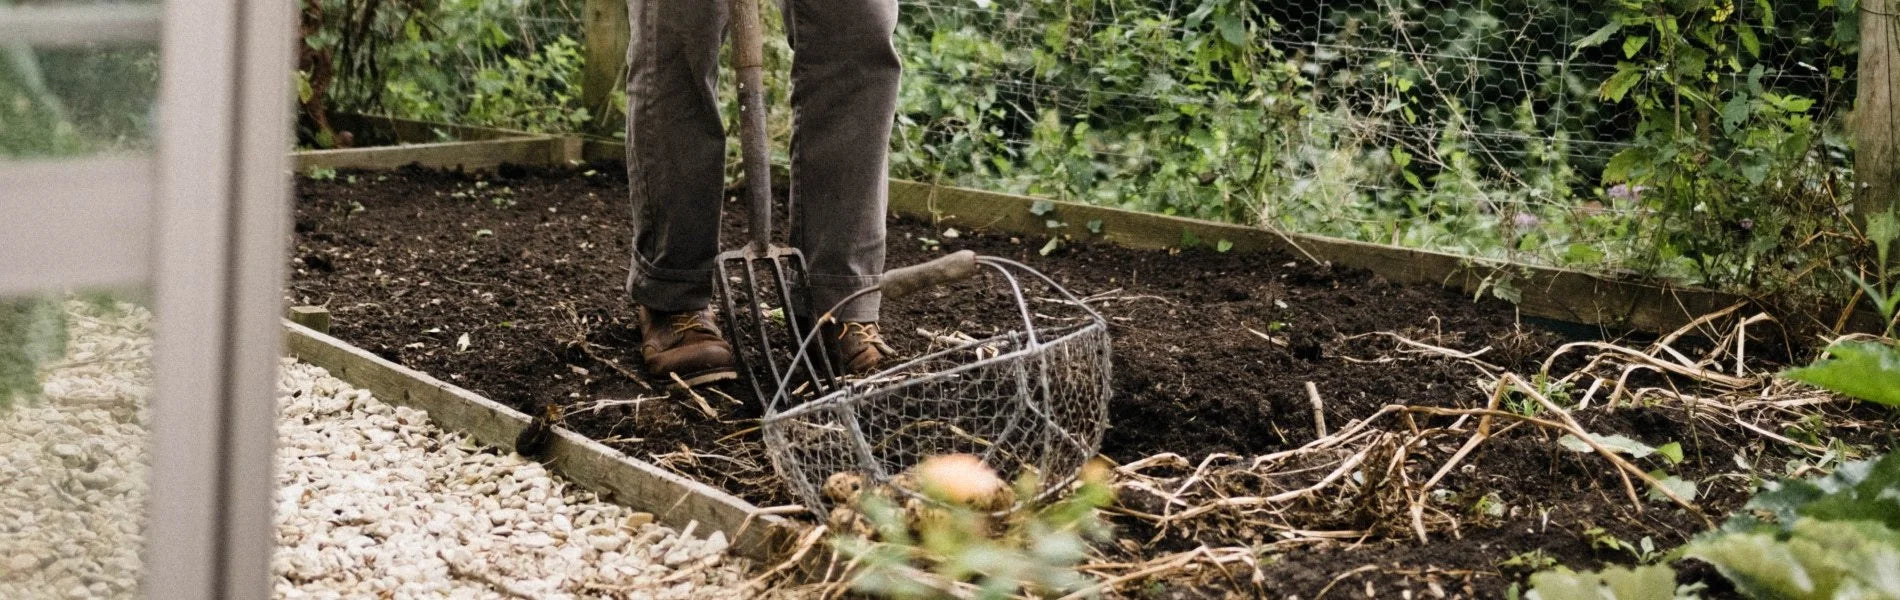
(1877,118)
(606,29)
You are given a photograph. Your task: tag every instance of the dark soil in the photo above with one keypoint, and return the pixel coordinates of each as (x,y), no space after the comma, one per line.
(531,264)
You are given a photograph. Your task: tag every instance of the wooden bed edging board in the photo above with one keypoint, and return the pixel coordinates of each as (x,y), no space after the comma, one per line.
(674,500)
(412,131)
(535,150)
(1562,294)
(1620,303)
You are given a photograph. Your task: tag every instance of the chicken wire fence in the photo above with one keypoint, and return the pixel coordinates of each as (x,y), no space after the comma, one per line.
(1477,127)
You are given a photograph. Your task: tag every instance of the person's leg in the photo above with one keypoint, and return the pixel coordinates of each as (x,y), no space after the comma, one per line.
(844,98)
(676,150)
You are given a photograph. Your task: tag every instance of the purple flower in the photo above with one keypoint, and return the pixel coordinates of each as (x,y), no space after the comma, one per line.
(1525,220)
(1626,192)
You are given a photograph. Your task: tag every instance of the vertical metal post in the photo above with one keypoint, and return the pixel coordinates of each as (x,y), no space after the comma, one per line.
(260,233)
(198,51)
(222,183)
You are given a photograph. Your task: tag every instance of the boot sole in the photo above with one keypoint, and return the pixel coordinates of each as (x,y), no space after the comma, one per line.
(703,378)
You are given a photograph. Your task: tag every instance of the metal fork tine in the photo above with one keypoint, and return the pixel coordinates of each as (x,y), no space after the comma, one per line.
(759,321)
(788,264)
(730,314)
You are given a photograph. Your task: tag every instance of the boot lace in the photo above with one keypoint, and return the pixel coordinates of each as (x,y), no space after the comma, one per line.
(686,322)
(866,333)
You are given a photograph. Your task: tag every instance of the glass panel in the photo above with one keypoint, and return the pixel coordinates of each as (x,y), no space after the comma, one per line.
(75,101)
(75,377)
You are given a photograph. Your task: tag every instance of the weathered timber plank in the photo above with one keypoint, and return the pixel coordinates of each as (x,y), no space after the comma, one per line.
(1876,114)
(412,131)
(540,150)
(604,70)
(599,149)
(1615,302)
(674,500)
(317,318)
(1562,294)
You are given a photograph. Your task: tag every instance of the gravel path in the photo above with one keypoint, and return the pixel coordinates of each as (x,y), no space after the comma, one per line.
(374,501)
(73,465)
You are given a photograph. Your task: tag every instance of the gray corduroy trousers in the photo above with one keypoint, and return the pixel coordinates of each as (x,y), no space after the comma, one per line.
(844,96)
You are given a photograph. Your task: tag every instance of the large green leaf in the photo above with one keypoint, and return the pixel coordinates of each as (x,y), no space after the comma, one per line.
(1819,559)
(1596,38)
(1865,370)
(1653,582)
(1865,491)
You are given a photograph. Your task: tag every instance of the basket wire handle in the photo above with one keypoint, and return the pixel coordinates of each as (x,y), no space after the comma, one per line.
(897,283)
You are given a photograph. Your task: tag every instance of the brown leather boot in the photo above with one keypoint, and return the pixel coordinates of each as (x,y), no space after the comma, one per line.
(857,347)
(686,344)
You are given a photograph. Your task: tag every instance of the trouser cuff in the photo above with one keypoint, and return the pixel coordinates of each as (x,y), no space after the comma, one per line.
(827,291)
(670,290)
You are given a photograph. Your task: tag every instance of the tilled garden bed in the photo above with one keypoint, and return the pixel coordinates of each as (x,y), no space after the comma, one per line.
(511,284)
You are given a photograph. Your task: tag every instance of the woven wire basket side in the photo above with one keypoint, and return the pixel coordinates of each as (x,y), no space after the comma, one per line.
(1025,403)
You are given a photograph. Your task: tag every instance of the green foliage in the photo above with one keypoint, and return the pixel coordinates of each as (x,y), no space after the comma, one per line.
(1738,162)
(1654,582)
(477,62)
(32,333)
(1033,552)
(66,102)
(1814,559)
(1831,537)
(1220,111)
(1695,139)
(1866,370)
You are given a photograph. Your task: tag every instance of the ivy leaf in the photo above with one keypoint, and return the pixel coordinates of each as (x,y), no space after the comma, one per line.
(1583,254)
(1194,19)
(1614,443)
(1682,488)
(1189,240)
(1413,179)
(1634,44)
(1790,103)
(1671,452)
(1749,42)
(1622,167)
(1042,207)
(1866,370)
(1223,246)
(1735,112)
(1596,38)
(1232,30)
(1619,85)
(1095,226)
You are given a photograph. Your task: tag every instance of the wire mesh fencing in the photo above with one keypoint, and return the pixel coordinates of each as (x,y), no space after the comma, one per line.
(1477,127)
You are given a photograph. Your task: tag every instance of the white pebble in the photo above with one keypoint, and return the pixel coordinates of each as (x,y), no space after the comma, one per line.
(373,500)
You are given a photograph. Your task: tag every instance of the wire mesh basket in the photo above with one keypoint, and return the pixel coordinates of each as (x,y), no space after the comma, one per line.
(1030,399)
